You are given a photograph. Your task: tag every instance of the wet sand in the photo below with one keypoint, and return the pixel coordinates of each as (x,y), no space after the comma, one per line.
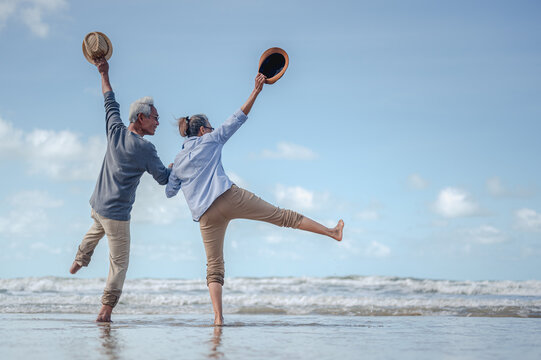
(69,336)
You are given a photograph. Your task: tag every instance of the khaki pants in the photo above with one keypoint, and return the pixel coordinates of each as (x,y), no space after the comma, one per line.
(236,203)
(118,234)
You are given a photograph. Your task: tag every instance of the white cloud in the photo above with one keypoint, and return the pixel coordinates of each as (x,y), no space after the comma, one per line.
(453,203)
(496,188)
(32,17)
(31,13)
(294,197)
(529,251)
(240,182)
(485,234)
(369,214)
(376,249)
(11,140)
(415,181)
(352,246)
(275,239)
(7,8)
(289,151)
(25,222)
(152,206)
(165,252)
(528,220)
(42,247)
(59,155)
(28,214)
(34,198)
(282,255)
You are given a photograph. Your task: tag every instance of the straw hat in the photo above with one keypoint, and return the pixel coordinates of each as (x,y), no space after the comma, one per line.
(273,64)
(95,45)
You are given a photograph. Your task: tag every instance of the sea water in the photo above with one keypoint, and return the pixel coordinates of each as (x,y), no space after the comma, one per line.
(351,317)
(348,296)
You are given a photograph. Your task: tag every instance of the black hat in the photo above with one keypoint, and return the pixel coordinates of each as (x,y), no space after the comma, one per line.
(273,64)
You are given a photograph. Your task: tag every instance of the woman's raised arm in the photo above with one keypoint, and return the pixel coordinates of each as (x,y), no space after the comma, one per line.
(259,81)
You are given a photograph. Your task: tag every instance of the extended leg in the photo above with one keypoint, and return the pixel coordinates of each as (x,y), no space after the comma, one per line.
(308,224)
(89,243)
(250,206)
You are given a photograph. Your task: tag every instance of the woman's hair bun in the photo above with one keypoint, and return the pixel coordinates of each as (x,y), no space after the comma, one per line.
(183,125)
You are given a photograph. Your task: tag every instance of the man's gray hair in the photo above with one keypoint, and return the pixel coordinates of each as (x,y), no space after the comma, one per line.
(141,106)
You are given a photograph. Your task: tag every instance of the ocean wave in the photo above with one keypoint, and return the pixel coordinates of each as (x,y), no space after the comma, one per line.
(352,296)
(293,285)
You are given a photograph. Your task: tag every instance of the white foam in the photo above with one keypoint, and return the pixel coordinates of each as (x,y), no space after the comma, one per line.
(354,295)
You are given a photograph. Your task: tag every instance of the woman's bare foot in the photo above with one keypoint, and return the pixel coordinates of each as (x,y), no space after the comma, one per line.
(219,321)
(337,231)
(105,314)
(75,267)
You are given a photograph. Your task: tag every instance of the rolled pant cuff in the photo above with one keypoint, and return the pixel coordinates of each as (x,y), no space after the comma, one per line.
(110,298)
(215,278)
(82,258)
(298,221)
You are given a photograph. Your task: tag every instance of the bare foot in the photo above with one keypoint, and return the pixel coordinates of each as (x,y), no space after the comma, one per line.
(337,231)
(75,267)
(219,321)
(105,314)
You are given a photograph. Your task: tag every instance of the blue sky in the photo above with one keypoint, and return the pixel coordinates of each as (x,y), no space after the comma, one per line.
(416,122)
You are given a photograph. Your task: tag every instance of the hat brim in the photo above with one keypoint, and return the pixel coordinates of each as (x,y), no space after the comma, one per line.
(273,64)
(109,51)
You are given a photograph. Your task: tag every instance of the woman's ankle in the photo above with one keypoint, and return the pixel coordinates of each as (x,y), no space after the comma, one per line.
(218,320)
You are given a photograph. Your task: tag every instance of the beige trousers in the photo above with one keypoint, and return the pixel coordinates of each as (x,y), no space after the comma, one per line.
(236,203)
(118,234)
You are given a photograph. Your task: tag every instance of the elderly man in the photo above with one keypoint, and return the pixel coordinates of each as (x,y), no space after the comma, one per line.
(128,156)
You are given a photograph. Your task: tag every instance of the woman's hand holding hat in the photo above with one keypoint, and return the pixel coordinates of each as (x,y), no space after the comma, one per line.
(259,81)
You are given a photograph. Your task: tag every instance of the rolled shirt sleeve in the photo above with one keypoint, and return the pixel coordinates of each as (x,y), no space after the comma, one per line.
(229,127)
(173,185)
(155,167)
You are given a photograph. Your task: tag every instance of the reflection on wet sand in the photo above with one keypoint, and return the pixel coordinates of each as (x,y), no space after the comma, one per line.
(109,341)
(215,342)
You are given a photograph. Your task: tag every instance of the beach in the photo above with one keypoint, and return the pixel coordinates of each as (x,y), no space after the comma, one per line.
(67,336)
(273,318)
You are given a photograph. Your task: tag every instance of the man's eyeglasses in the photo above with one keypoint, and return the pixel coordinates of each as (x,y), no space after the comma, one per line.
(210,128)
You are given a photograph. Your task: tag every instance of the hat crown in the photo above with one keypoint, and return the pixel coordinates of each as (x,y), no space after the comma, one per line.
(96,45)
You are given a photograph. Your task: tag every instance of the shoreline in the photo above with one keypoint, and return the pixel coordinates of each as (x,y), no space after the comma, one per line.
(65,336)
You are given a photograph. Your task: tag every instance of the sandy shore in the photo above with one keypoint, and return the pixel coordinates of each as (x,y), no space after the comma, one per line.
(68,336)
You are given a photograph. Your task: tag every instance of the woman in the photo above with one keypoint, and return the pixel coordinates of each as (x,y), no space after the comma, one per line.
(214,199)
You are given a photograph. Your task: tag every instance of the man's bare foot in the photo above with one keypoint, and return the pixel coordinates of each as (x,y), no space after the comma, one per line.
(219,321)
(75,267)
(105,313)
(337,231)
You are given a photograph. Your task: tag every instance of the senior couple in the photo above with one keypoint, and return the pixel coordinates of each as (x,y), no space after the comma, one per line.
(212,197)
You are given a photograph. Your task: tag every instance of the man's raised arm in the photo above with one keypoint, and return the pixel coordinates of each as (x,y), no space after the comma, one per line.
(103,68)
(112,108)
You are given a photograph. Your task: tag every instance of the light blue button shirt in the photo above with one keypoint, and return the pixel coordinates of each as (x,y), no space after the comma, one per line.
(198,169)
